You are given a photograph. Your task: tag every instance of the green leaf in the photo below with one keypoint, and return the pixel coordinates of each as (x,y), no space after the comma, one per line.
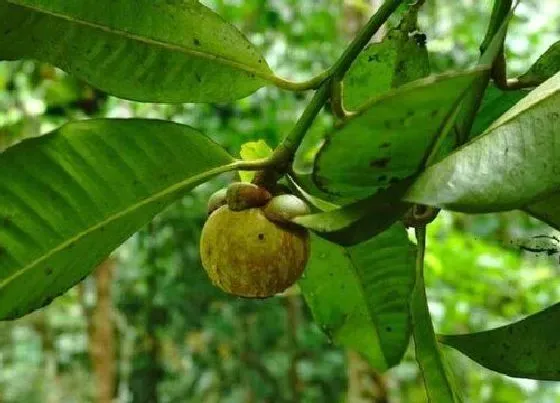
(144,50)
(512,164)
(494,104)
(361,220)
(251,151)
(67,199)
(430,358)
(545,67)
(547,209)
(525,349)
(359,295)
(390,137)
(400,58)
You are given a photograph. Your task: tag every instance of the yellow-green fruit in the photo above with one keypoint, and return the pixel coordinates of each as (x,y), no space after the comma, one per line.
(245,254)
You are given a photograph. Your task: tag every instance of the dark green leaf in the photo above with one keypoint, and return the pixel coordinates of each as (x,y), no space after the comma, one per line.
(251,151)
(545,67)
(359,295)
(494,104)
(529,348)
(390,137)
(69,198)
(547,209)
(514,163)
(145,50)
(359,221)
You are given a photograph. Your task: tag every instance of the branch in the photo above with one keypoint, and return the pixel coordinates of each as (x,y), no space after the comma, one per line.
(283,155)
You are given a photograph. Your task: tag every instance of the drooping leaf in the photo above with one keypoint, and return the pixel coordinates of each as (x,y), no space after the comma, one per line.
(359,295)
(400,58)
(547,65)
(513,164)
(546,209)
(144,50)
(356,222)
(494,104)
(67,199)
(390,137)
(526,349)
(251,151)
(435,372)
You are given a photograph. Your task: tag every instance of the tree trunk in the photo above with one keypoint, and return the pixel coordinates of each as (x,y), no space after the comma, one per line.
(102,334)
(365,385)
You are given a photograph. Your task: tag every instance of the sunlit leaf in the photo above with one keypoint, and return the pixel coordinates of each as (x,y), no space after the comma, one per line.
(251,151)
(513,164)
(67,199)
(144,50)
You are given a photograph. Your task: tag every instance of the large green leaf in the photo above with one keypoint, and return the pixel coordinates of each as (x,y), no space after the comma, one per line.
(545,67)
(359,295)
(547,209)
(69,198)
(390,137)
(529,348)
(145,50)
(514,163)
(400,58)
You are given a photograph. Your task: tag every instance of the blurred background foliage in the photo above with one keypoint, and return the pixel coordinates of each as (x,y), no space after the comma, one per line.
(149,327)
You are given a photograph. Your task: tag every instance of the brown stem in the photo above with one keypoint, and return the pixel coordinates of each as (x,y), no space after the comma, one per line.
(101,334)
(365,385)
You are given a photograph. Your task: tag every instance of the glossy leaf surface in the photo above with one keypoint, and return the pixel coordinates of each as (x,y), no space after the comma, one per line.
(514,163)
(91,185)
(144,50)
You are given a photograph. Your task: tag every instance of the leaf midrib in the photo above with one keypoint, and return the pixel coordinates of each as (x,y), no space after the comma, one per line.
(176,187)
(149,41)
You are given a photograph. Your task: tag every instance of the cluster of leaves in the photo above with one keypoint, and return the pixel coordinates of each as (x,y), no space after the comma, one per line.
(407,145)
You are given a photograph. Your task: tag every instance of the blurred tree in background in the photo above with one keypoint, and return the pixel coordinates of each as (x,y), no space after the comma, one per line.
(149,327)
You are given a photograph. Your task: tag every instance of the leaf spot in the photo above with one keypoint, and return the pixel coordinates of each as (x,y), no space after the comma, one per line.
(380,162)
(196,42)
